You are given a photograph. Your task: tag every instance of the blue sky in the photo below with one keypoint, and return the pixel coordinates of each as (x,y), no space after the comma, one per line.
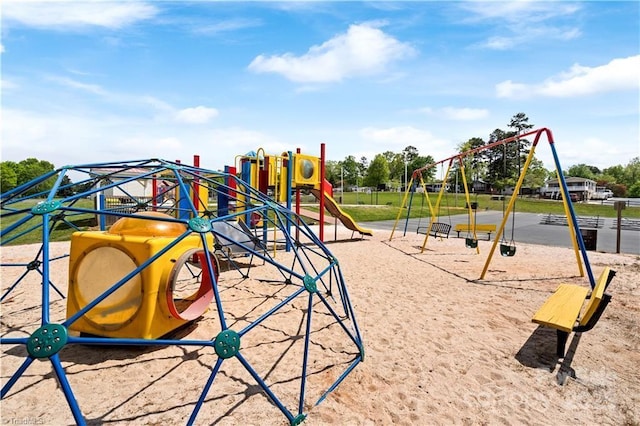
(92,81)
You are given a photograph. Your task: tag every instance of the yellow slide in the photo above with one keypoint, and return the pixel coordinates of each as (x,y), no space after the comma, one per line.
(335,210)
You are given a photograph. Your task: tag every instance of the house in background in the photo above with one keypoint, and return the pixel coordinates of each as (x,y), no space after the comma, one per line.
(580,189)
(479,186)
(125,196)
(134,188)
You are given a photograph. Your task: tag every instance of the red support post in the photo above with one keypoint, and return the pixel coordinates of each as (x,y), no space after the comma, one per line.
(263,175)
(322,177)
(154,192)
(232,182)
(293,164)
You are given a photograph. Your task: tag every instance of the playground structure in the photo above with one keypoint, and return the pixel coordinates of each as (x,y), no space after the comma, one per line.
(161,266)
(507,248)
(282,176)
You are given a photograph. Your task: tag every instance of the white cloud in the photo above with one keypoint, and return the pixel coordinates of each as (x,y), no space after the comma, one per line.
(464,114)
(519,36)
(509,89)
(66,14)
(399,137)
(456,114)
(238,141)
(45,135)
(619,74)
(1,48)
(500,43)
(73,138)
(75,84)
(593,151)
(196,115)
(229,25)
(153,102)
(137,145)
(451,113)
(377,140)
(7,84)
(518,11)
(521,22)
(362,50)
(193,115)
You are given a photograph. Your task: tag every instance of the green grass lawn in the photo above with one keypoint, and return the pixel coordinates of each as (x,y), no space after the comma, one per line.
(389,203)
(31,231)
(362,207)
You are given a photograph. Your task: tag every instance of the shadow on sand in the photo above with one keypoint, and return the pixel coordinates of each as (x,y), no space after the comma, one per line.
(539,351)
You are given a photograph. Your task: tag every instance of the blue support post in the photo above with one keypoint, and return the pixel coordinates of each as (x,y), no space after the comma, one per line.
(245,173)
(102,220)
(406,222)
(223,196)
(574,219)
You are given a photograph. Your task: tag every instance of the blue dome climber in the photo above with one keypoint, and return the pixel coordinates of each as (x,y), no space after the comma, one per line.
(145,262)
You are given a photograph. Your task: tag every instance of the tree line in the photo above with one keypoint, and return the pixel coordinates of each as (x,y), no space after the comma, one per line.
(13,174)
(499,167)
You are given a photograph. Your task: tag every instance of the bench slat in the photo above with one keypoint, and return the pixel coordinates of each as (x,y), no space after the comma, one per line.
(487,228)
(562,308)
(483,227)
(438,229)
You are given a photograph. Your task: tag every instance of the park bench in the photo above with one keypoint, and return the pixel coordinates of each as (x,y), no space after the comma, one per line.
(553,219)
(628,224)
(590,222)
(563,308)
(438,229)
(583,221)
(480,227)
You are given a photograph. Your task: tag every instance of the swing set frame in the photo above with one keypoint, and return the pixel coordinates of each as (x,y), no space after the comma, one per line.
(417,174)
(572,221)
(508,247)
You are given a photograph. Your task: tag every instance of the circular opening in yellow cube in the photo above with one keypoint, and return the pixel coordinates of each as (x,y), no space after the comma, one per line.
(190,287)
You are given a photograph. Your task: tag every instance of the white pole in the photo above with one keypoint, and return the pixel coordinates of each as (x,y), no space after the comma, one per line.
(341,182)
(357,187)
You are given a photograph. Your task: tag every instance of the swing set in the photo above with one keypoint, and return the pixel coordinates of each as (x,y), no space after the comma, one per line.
(471,240)
(435,226)
(507,247)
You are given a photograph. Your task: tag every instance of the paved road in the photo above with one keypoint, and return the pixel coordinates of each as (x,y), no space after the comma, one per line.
(529,230)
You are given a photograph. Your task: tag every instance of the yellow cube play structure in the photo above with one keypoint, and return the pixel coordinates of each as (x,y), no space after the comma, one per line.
(160,298)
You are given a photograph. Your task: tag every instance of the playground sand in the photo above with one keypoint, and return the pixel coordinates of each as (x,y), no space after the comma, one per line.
(441,347)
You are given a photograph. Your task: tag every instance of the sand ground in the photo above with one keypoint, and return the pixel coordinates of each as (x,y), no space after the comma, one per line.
(441,347)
